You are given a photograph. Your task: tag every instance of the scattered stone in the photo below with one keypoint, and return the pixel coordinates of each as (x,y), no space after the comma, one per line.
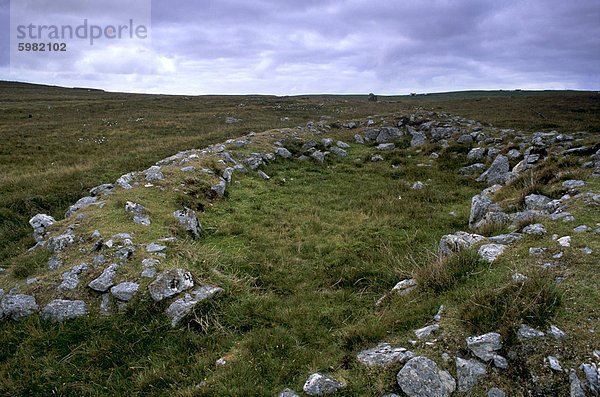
(564,241)
(480,205)
(153,247)
(102,190)
(125,252)
(405,286)
(506,238)
(71,278)
(253,162)
(519,278)
(58,243)
(383,354)
(421,377)
(387,134)
(477,153)
(526,332)
(59,310)
(283,152)
(484,346)
(232,120)
(188,219)
(536,229)
(288,393)
(497,173)
(359,139)
(468,373)
(183,306)
(418,185)
(576,386)
(418,138)
(219,188)
(537,202)
(319,384)
(319,156)
(125,291)
(587,250)
(263,175)
(490,191)
(106,280)
(149,272)
(554,364)
(190,168)
(500,362)
(426,332)
(581,229)
(376,157)
(142,220)
(81,203)
(438,315)
(342,145)
(54,263)
(490,252)
(472,169)
(18,307)
(536,251)
(169,283)
(386,146)
(154,174)
(556,333)
(134,208)
(326,142)
(454,243)
(40,223)
(572,184)
(495,392)
(592,374)
(337,151)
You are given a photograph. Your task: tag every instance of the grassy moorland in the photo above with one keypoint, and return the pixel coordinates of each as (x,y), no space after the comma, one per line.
(302,258)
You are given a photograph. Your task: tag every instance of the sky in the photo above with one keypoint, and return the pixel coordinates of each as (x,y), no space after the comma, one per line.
(292,47)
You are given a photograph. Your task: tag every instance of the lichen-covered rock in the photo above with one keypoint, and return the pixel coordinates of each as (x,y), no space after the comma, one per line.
(106,280)
(468,373)
(485,346)
(383,354)
(490,252)
(421,377)
(125,291)
(319,384)
(71,278)
(497,173)
(387,134)
(219,188)
(454,243)
(338,151)
(40,223)
(427,331)
(288,393)
(81,203)
(188,219)
(58,243)
(184,306)
(418,138)
(386,147)
(154,174)
(169,283)
(526,332)
(253,162)
(102,190)
(405,286)
(18,307)
(59,310)
(134,208)
(283,152)
(125,252)
(480,205)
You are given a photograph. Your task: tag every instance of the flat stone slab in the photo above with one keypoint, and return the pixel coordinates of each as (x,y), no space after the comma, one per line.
(60,310)
(383,354)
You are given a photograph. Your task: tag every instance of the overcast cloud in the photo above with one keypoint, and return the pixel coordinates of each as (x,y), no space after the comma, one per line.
(329,46)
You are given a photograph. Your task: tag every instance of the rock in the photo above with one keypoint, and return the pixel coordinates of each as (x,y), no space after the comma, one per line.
(106,280)
(71,278)
(153,247)
(253,162)
(134,208)
(102,190)
(453,243)
(526,332)
(490,252)
(554,364)
(421,377)
(500,361)
(418,138)
(154,174)
(472,169)
(519,278)
(383,354)
(59,310)
(125,291)
(338,151)
(418,185)
(309,145)
(188,219)
(556,333)
(480,205)
(477,153)
(81,203)
(468,373)
(287,393)
(319,156)
(572,184)
(125,252)
(232,120)
(484,346)
(576,387)
(359,139)
(370,134)
(564,241)
(581,229)
(40,223)
(149,272)
(18,307)
(426,332)
(387,134)
(169,283)
(141,220)
(386,146)
(405,286)
(536,229)
(150,262)
(326,142)
(124,181)
(465,139)
(190,168)
(184,306)
(537,202)
(319,384)
(342,145)
(592,375)
(495,392)
(283,152)
(58,243)
(497,173)
(506,238)
(54,263)
(219,188)
(376,157)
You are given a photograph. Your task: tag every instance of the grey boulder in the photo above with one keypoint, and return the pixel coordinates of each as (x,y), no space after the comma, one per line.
(81,203)
(319,384)
(125,291)
(59,310)
(188,219)
(169,283)
(485,346)
(468,373)
(454,243)
(106,280)
(497,173)
(383,355)
(19,306)
(39,223)
(421,377)
(184,306)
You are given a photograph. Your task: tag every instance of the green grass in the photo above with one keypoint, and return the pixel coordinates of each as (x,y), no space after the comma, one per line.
(302,257)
